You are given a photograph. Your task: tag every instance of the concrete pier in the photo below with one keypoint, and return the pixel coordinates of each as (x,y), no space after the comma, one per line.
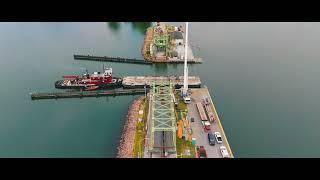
(197,95)
(141,81)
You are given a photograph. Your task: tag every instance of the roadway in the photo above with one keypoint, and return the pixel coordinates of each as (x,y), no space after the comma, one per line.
(197,128)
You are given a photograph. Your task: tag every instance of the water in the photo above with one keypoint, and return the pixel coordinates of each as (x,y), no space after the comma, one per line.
(263,76)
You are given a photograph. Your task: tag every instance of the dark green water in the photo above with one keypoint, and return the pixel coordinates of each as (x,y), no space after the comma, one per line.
(264,78)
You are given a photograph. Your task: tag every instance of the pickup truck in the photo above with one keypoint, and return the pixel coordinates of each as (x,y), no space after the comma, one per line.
(201,152)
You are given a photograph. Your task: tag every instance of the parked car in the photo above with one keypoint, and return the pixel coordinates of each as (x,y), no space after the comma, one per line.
(192,119)
(211,139)
(206,125)
(202,153)
(207,101)
(224,152)
(218,137)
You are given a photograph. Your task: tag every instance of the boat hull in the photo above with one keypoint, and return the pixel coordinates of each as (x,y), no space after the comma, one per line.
(116,84)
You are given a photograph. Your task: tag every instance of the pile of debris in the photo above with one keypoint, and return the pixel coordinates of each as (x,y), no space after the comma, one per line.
(125,149)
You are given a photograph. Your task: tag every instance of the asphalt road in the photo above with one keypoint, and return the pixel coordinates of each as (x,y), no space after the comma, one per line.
(198,131)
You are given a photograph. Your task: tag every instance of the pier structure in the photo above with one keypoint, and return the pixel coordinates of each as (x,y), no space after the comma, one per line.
(141,81)
(130,60)
(131,85)
(81,94)
(111,59)
(198,95)
(161,124)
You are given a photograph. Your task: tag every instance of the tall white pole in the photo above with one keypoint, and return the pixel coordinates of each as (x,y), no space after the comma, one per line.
(185,79)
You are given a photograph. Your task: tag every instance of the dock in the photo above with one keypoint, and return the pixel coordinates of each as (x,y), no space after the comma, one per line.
(133,60)
(81,94)
(131,85)
(111,59)
(141,81)
(197,95)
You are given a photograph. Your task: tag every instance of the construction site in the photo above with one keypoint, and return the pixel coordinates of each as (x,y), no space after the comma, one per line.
(174,116)
(164,43)
(174,129)
(178,122)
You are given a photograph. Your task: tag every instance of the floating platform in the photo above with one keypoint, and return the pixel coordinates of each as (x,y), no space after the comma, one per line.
(133,60)
(81,94)
(111,59)
(141,81)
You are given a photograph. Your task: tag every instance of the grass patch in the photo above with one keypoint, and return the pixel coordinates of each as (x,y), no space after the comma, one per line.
(140,130)
(138,140)
(182,146)
(181,107)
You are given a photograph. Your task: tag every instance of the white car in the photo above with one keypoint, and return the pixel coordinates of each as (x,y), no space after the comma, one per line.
(224,152)
(218,137)
(187,99)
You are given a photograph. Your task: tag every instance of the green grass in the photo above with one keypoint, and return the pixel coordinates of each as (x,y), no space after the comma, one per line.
(138,140)
(183,145)
(140,131)
(180,107)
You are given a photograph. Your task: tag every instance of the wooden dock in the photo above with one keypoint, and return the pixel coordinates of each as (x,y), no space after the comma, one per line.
(81,94)
(111,59)
(141,81)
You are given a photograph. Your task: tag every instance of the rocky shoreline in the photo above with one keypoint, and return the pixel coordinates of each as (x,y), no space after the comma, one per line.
(125,149)
(148,38)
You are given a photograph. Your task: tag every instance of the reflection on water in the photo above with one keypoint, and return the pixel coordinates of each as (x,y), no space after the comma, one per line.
(137,26)
(263,78)
(114,26)
(140,26)
(161,69)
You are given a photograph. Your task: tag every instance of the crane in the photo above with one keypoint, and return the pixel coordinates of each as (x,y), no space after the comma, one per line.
(185,95)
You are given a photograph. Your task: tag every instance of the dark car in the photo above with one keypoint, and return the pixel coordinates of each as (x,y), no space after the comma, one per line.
(192,119)
(211,139)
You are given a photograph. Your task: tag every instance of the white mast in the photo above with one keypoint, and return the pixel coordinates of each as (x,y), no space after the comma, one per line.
(185,78)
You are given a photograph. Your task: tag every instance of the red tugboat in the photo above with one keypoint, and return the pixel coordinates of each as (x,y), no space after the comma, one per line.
(88,82)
